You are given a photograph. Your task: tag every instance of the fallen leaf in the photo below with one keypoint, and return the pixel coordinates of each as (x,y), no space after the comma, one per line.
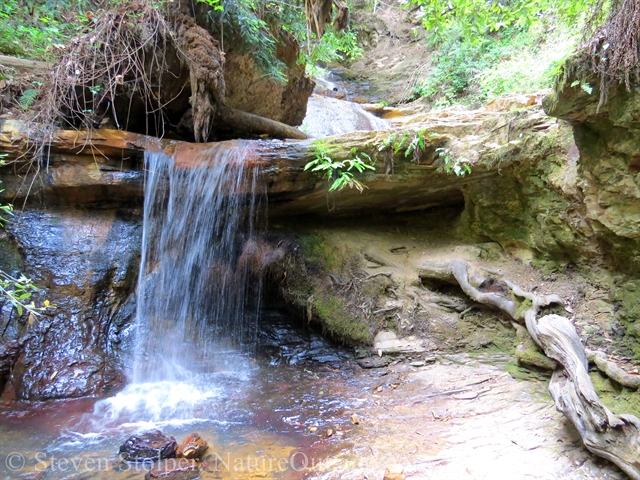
(355,420)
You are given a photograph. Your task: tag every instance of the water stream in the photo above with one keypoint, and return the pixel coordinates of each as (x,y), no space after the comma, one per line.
(201,360)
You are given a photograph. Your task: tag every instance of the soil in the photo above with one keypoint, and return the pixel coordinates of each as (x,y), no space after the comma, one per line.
(395,56)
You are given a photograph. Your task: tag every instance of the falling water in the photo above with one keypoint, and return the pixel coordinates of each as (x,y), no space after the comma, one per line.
(330,116)
(192,292)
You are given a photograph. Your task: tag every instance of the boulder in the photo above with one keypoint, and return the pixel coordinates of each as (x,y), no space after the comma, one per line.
(149,447)
(193,447)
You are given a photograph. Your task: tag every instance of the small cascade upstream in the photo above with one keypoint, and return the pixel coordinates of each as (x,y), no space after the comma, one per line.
(330,116)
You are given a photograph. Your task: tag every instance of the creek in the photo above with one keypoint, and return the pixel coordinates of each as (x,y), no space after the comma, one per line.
(206,357)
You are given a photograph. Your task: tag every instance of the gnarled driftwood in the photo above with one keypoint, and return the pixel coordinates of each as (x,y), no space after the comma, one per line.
(610,436)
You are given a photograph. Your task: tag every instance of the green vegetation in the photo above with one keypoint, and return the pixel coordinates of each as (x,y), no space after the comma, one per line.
(339,173)
(39,29)
(618,399)
(481,17)
(253,25)
(458,165)
(18,289)
(319,252)
(333,314)
(473,69)
(36,29)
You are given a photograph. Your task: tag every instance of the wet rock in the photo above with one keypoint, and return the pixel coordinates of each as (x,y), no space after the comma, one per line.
(174,469)
(9,352)
(394,472)
(86,262)
(193,447)
(373,362)
(330,116)
(148,447)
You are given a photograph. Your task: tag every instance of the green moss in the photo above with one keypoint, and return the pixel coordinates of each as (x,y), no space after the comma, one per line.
(618,399)
(534,357)
(333,314)
(525,305)
(626,295)
(522,374)
(321,252)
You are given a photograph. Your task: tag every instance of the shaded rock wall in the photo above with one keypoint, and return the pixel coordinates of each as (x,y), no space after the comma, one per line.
(609,166)
(87,262)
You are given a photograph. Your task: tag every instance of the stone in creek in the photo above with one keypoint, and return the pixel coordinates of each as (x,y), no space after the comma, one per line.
(193,446)
(174,469)
(394,472)
(148,447)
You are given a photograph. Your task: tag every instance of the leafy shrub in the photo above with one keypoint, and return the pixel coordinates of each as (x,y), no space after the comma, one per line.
(29,29)
(472,70)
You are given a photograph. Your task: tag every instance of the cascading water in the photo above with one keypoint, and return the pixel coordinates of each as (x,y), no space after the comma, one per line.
(330,116)
(193,295)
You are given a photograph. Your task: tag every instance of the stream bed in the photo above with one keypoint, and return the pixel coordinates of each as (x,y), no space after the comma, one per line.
(287,412)
(254,411)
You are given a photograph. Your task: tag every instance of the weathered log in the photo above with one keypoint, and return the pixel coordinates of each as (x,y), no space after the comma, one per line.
(24,65)
(400,182)
(613,437)
(19,142)
(248,122)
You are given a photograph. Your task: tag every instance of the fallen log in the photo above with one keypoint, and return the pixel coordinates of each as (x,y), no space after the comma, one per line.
(248,122)
(613,437)
(23,65)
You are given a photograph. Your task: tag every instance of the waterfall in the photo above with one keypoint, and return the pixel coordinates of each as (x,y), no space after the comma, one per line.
(192,292)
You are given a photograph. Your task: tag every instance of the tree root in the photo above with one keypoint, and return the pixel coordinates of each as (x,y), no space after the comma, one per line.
(613,371)
(613,437)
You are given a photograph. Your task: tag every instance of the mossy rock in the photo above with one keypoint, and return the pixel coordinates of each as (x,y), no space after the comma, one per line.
(616,398)
(334,316)
(527,352)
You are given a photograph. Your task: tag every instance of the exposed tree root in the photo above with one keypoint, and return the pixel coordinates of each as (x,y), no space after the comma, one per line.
(131,67)
(613,371)
(610,436)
